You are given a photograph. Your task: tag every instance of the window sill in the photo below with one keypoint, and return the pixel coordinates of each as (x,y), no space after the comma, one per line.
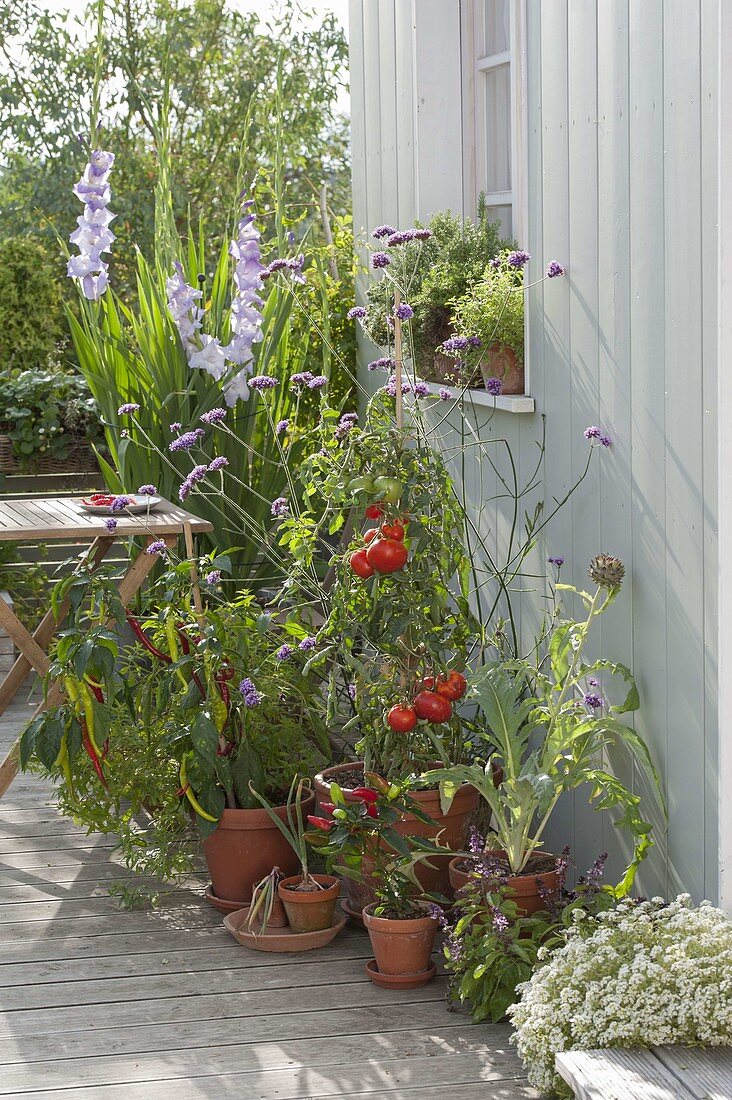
(512,403)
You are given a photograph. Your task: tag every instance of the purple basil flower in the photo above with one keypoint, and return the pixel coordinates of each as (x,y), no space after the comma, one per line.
(252,697)
(214,416)
(218,463)
(494,386)
(187,440)
(284,652)
(280,508)
(384,363)
(213,577)
(282,426)
(357,313)
(147,491)
(317,382)
(157,547)
(559,562)
(351,689)
(127,409)
(518,258)
(110,524)
(403,311)
(444,394)
(307,643)
(383,231)
(263,382)
(554,270)
(593,700)
(476,841)
(380,259)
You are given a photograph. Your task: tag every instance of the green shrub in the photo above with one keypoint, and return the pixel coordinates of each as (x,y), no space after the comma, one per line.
(31,312)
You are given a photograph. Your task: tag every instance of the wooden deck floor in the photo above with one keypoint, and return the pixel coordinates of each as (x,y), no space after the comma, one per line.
(98,1003)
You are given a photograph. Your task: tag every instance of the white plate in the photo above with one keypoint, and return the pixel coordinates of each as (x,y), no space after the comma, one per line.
(141,505)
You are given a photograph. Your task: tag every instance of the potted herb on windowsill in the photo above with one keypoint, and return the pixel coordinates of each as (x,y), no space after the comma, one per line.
(552,731)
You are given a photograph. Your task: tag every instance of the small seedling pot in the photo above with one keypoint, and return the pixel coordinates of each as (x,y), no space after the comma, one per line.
(309,910)
(401,946)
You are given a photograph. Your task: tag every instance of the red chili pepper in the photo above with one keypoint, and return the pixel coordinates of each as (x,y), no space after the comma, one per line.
(86,742)
(182,790)
(321,823)
(227,750)
(327,807)
(140,635)
(371,809)
(366,794)
(197,681)
(96,690)
(223,691)
(105,748)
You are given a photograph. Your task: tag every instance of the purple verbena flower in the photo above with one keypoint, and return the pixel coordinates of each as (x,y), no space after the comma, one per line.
(554,270)
(474,341)
(606,441)
(494,386)
(280,508)
(120,503)
(444,394)
(384,363)
(213,577)
(383,231)
(300,378)
(284,652)
(282,426)
(252,697)
(147,491)
(187,440)
(455,343)
(217,463)
(421,389)
(127,409)
(307,643)
(214,416)
(559,562)
(403,311)
(593,700)
(593,681)
(157,547)
(317,382)
(390,386)
(110,524)
(401,237)
(357,313)
(263,382)
(518,258)
(495,263)
(422,234)
(593,432)
(351,689)
(176,426)
(380,259)
(346,423)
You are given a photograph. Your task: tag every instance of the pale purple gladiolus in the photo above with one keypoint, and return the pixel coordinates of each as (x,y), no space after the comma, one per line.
(245,318)
(93,236)
(187,314)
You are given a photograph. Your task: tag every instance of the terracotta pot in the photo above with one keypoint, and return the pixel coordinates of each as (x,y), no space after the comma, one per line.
(401,946)
(525,891)
(244,847)
(277,918)
(310,910)
(502,362)
(452,826)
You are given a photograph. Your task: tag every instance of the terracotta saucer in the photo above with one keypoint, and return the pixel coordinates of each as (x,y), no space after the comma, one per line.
(280,939)
(356,917)
(222,904)
(399,981)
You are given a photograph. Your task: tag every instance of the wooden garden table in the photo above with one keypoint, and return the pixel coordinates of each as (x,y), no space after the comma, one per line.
(50,519)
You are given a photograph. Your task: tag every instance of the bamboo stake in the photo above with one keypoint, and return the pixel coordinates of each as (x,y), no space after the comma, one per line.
(398,359)
(197,601)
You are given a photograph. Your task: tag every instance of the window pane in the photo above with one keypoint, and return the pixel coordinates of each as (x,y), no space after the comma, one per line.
(496,126)
(502,214)
(496,33)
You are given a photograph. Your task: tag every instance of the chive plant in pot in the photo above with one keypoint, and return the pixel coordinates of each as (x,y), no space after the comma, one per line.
(179,724)
(552,732)
(266,909)
(309,899)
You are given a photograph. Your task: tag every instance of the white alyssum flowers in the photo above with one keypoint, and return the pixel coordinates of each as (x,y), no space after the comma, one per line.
(641,974)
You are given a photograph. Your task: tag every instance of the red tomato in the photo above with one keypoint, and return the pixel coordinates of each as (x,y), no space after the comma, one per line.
(393,530)
(402,719)
(428,683)
(387,555)
(370,534)
(366,794)
(452,688)
(374,511)
(433,707)
(360,564)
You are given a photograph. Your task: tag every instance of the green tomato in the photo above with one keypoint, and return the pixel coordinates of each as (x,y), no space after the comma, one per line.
(389,489)
(362,484)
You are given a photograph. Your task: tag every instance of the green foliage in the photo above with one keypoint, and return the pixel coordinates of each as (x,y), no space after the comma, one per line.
(493,309)
(27,583)
(31,311)
(45,411)
(216,65)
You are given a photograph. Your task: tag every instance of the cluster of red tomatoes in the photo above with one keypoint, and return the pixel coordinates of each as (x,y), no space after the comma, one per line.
(384,551)
(433,702)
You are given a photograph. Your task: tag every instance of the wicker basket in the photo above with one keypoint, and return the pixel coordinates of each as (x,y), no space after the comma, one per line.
(80,460)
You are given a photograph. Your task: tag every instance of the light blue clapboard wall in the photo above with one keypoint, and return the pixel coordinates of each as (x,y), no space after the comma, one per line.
(622,169)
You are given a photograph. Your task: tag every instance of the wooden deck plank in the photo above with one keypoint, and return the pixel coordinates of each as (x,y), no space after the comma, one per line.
(705,1073)
(231,1087)
(618,1074)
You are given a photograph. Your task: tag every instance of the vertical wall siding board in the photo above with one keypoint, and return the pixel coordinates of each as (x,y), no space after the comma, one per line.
(389,123)
(615,537)
(557,402)
(358,115)
(405,108)
(438,104)
(709,142)
(648,491)
(582,287)
(372,65)
(684,452)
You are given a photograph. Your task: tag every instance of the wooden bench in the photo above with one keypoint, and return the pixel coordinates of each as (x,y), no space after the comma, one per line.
(661,1073)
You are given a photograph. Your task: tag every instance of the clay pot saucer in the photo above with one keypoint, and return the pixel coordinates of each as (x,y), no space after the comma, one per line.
(222,904)
(399,981)
(355,916)
(280,939)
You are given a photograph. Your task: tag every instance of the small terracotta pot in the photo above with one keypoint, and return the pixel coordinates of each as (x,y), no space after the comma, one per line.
(452,830)
(401,946)
(245,846)
(310,910)
(524,888)
(277,918)
(502,362)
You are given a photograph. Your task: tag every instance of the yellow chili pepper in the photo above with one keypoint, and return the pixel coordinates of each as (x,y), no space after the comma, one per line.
(88,705)
(172,635)
(190,795)
(62,761)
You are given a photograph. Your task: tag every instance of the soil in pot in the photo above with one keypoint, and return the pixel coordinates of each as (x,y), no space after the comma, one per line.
(452,826)
(309,908)
(401,946)
(526,891)
(244,847)
(502,362)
